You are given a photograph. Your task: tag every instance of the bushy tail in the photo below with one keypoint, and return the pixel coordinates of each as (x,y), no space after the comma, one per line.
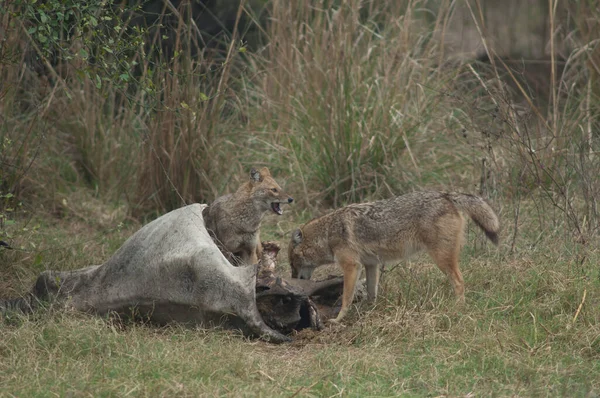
(480,211)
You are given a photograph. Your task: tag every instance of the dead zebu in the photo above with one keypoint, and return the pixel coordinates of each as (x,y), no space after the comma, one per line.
(171,270)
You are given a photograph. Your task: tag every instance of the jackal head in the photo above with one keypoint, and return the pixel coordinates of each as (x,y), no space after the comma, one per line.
(300,254)
(265,191)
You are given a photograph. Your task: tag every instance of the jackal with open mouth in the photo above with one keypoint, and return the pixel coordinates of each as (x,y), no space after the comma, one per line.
(234,220)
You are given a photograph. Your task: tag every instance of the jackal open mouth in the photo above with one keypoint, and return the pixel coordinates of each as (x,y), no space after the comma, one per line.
(276,208)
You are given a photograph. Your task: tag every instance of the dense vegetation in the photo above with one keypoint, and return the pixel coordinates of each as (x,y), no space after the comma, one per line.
(113,113)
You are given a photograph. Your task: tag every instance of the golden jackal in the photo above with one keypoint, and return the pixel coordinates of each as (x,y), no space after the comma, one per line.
(388,230)
(234,220)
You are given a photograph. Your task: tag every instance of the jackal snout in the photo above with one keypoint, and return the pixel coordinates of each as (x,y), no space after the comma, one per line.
(384,231)
(302,267)
(267,190)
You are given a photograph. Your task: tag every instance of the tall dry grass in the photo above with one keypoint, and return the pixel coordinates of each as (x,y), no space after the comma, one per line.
(344,90)
(347,102)
(546,154)
(156,135)
(189,123)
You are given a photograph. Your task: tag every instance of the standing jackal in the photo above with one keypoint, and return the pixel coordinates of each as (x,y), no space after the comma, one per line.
(234,220)
(387,230)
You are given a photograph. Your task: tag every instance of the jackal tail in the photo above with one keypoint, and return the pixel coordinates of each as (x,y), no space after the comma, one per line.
(480,212)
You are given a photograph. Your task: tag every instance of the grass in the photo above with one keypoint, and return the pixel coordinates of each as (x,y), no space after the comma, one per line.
(344,103)
(84,356)
(521,331)
(351,97)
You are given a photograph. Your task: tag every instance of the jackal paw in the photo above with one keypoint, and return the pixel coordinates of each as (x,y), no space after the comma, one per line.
(334,322)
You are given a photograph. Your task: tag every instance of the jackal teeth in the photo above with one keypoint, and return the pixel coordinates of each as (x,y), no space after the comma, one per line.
(276,208)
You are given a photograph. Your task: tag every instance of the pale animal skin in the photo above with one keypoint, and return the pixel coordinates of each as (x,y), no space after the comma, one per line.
(168,271)
(389,230)
(234,220)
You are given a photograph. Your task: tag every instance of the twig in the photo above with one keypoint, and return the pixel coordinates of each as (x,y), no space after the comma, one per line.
(412,158)
(266,375)
(516,226)
(580,306)
(47,64)
(588,115)
(552,10)
(172,8)
(298,391)
(231,45)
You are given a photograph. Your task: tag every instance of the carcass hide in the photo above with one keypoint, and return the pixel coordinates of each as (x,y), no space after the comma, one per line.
(171,270)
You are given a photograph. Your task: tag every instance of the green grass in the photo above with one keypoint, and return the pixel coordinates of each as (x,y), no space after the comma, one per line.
(343,106)
(516,334)
(374,356)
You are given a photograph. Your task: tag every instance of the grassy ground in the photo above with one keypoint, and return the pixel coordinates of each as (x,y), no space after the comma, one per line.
(101,131)
(530,327)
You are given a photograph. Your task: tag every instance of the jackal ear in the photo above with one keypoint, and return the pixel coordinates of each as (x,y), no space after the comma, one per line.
(297,237)
(255,175)
(264,172)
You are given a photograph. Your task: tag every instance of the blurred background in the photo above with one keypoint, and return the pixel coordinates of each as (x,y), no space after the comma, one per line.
(124,110)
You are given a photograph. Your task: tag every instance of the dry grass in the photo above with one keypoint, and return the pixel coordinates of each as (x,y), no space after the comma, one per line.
(521,332)
(352,98)
(345,103)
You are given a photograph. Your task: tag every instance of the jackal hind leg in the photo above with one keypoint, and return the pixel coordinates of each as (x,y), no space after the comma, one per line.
(372,272)
(447,260)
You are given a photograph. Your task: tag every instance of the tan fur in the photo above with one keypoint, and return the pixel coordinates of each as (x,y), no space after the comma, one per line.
(389,230)
(234,220)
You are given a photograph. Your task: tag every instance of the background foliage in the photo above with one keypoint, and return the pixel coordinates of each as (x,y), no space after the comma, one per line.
(114,112)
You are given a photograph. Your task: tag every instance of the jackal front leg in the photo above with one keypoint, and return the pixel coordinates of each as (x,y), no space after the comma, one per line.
(351,268)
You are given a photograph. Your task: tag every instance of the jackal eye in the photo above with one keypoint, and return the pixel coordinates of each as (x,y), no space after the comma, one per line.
(274,190)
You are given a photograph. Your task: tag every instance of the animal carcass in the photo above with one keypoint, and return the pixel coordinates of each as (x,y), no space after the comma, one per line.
(171,270)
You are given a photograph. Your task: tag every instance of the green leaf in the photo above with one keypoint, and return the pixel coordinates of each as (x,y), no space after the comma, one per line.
(242,49)
(43,17)
(37,260)
(83,54)
(98,82)
(203,96)
(124,77)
